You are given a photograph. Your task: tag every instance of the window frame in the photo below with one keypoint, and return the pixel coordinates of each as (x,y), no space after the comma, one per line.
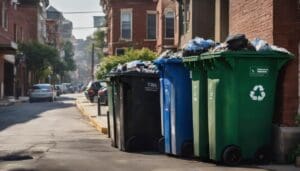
(4,12)
(156,23)
(131,23)
(165,25)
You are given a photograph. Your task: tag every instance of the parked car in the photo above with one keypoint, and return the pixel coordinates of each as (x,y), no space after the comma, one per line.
(102,96)
(92,89)
(64,88)
(40,92)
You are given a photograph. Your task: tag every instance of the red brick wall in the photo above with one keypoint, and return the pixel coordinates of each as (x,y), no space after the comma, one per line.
(27,19)
(5,35)
(139,9)
(286,34)
(24,17)
(255,18)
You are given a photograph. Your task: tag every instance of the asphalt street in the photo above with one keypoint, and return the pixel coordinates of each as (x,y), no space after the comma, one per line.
(56,137)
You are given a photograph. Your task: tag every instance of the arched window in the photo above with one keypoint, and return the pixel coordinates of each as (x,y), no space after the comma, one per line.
(169,24)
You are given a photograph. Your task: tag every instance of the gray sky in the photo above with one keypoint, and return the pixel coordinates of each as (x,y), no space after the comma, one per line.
(79,20)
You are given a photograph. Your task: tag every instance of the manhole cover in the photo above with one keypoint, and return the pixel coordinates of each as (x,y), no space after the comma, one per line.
(16,157)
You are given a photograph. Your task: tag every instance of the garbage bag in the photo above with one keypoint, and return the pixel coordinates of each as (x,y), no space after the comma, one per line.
(260,45)
(237,42)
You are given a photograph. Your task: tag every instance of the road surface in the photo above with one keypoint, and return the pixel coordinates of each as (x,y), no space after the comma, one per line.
(56,137)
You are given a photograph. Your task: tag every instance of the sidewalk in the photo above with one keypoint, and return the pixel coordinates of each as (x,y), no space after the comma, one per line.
(89,110)
(11,101)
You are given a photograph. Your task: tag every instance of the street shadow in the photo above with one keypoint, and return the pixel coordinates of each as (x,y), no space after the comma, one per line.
(65,98)
(21,113)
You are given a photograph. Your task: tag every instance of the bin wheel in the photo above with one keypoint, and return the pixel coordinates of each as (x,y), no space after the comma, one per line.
(232,155)
(187,149)
(161,145)
(132,144)
(263,155)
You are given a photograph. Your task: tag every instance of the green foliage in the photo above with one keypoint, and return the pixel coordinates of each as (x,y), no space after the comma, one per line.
(99,37)
(110,62)
(40,58)
(69,64)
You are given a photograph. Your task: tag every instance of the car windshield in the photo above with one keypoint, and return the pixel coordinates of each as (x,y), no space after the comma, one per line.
(37,87)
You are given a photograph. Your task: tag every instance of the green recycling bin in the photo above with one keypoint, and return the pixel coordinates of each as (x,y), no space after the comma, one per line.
(241,95)
(199,104)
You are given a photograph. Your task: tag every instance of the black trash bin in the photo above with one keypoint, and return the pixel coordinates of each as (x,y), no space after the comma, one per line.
(136,118)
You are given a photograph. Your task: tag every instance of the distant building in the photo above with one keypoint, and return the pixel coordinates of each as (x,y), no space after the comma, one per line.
(59,29)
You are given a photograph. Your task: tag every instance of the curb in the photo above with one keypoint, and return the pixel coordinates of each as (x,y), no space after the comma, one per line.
(92,120)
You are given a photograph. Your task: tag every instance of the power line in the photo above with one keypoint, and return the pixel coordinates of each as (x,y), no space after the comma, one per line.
(82,12)
(81,28)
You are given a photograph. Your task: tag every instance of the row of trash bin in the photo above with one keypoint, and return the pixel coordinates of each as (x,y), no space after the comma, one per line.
(215,106)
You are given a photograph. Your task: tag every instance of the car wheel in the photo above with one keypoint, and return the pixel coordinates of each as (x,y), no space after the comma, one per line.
(51,99)
(30,100)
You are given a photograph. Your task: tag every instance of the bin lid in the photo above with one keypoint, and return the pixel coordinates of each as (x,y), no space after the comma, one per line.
(161,61)
(246,54)
(132,73)
(191,59)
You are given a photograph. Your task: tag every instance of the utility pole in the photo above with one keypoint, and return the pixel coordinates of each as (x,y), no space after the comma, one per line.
(93,55)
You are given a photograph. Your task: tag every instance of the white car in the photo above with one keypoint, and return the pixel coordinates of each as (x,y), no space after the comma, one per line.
(42,92)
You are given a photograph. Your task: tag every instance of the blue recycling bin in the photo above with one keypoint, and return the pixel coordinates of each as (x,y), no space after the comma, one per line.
(176,107)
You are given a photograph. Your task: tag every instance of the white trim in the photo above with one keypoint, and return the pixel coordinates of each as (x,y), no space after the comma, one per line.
(131,22)
(156,23)
(4,17)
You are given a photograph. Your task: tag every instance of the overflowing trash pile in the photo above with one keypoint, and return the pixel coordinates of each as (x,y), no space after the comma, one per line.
(197,46)
(236,42)
(136,66)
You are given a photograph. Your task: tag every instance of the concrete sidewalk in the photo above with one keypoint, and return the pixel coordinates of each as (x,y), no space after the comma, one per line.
(89,110)
(11,101)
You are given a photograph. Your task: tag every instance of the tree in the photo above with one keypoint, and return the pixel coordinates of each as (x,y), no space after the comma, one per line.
(68,57)
(40,59)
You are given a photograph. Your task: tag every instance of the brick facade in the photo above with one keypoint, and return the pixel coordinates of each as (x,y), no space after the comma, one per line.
(139,9)
(278,22)
(163,43)
(24,25)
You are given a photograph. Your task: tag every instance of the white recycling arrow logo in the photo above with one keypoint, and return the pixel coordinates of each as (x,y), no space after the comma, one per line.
(258,93)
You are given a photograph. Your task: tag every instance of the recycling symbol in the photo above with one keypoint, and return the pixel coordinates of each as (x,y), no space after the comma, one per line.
(258,93)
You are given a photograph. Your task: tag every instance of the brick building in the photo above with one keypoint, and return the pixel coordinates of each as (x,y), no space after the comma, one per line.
(203,18)
(21,21)
(131,23)
(167,25)
(58,29)
(278,22)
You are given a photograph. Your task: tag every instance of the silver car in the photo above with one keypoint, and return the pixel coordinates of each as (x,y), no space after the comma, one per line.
(42,92)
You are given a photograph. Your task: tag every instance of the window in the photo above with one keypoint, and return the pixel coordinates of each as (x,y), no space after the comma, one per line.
(15,33)
(21,34)
(126,24)
(4,15)
(169,24)
(151,25)
(119,51)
